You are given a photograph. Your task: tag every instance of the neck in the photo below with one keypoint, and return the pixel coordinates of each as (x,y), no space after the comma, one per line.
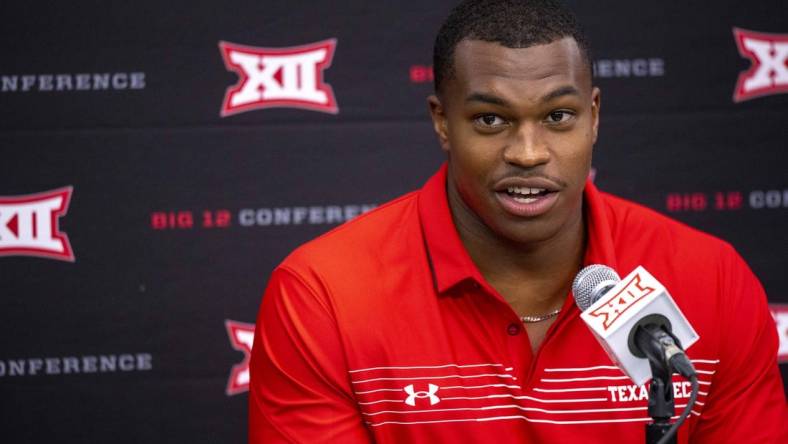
(534,277)
(556,256)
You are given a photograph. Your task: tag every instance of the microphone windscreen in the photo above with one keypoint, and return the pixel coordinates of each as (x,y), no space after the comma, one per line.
(591,283)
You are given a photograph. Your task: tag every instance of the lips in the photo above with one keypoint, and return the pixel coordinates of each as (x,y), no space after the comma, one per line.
(527,197)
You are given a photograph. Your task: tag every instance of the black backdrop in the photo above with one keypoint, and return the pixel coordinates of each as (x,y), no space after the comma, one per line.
(177,215)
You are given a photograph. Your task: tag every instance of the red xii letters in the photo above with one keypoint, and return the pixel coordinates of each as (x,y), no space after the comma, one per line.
(618,303)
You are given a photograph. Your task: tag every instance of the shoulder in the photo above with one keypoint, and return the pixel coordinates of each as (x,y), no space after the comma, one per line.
(693,264)
(703,273)
(647,232)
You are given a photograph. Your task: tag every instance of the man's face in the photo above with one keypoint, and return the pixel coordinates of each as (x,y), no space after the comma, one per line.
(518,125)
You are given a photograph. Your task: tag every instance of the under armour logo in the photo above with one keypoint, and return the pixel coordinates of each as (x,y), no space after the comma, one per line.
(242,339)
(412,394)
(29,225)
(769,71)
(289,77)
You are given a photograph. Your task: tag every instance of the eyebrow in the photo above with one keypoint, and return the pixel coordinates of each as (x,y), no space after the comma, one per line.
(486,98)
(494,100)
(562,91)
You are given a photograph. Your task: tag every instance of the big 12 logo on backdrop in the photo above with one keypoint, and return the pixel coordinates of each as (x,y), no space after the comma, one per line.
(780,313)
(29,225)
(769,71)
(241,338)
(290,77)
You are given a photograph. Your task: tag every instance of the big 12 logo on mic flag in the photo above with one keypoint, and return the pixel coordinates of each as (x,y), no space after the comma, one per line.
(769,71)
(290,77)
(615,314)
(29,225)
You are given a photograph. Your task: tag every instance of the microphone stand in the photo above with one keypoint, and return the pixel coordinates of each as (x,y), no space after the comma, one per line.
(661,404)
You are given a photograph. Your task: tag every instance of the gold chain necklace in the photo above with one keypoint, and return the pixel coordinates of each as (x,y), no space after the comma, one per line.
(532,319)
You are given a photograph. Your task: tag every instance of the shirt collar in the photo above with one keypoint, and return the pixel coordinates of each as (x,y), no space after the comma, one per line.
(448,257)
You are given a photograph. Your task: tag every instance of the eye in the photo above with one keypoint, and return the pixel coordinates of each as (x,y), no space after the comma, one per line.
(560,116)
(489,120)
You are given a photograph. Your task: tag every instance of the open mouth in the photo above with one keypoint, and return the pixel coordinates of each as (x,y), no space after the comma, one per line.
(527,201)
(526,195)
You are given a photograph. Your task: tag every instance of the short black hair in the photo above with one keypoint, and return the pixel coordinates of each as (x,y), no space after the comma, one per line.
(512,23)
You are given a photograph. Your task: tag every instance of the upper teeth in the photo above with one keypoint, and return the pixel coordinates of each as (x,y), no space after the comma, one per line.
(521,190)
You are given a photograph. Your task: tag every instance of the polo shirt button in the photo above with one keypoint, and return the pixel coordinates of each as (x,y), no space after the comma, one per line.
(514,329)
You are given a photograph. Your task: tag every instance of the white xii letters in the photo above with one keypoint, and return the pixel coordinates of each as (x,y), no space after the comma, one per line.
(769,71)
(29,225)
(279,77)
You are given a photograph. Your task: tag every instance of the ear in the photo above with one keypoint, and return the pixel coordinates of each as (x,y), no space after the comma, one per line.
(596,102)
(439,122)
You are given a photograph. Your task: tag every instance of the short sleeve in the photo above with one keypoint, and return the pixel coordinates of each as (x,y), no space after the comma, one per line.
(747,401)
(299,389)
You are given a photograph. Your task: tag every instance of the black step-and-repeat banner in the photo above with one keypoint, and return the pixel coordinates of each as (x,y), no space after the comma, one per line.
(157,161)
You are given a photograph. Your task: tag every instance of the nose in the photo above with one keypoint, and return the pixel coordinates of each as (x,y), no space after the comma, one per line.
(528,147)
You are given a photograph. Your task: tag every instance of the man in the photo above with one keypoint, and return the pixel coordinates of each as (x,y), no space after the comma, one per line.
(446,315)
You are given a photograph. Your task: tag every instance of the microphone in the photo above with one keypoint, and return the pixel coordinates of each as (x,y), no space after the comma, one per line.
(635,320)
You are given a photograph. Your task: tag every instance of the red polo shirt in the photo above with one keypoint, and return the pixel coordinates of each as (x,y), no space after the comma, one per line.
(383,330)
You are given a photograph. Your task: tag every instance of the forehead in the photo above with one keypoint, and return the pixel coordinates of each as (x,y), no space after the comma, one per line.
(489,67)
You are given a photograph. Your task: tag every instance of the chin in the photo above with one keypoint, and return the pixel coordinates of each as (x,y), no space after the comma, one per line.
(527,233)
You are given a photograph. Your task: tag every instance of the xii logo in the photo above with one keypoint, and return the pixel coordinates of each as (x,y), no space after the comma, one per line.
(241,338)
(780,313)
(769,71)
(289,77)
(29,225)
(621,301)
